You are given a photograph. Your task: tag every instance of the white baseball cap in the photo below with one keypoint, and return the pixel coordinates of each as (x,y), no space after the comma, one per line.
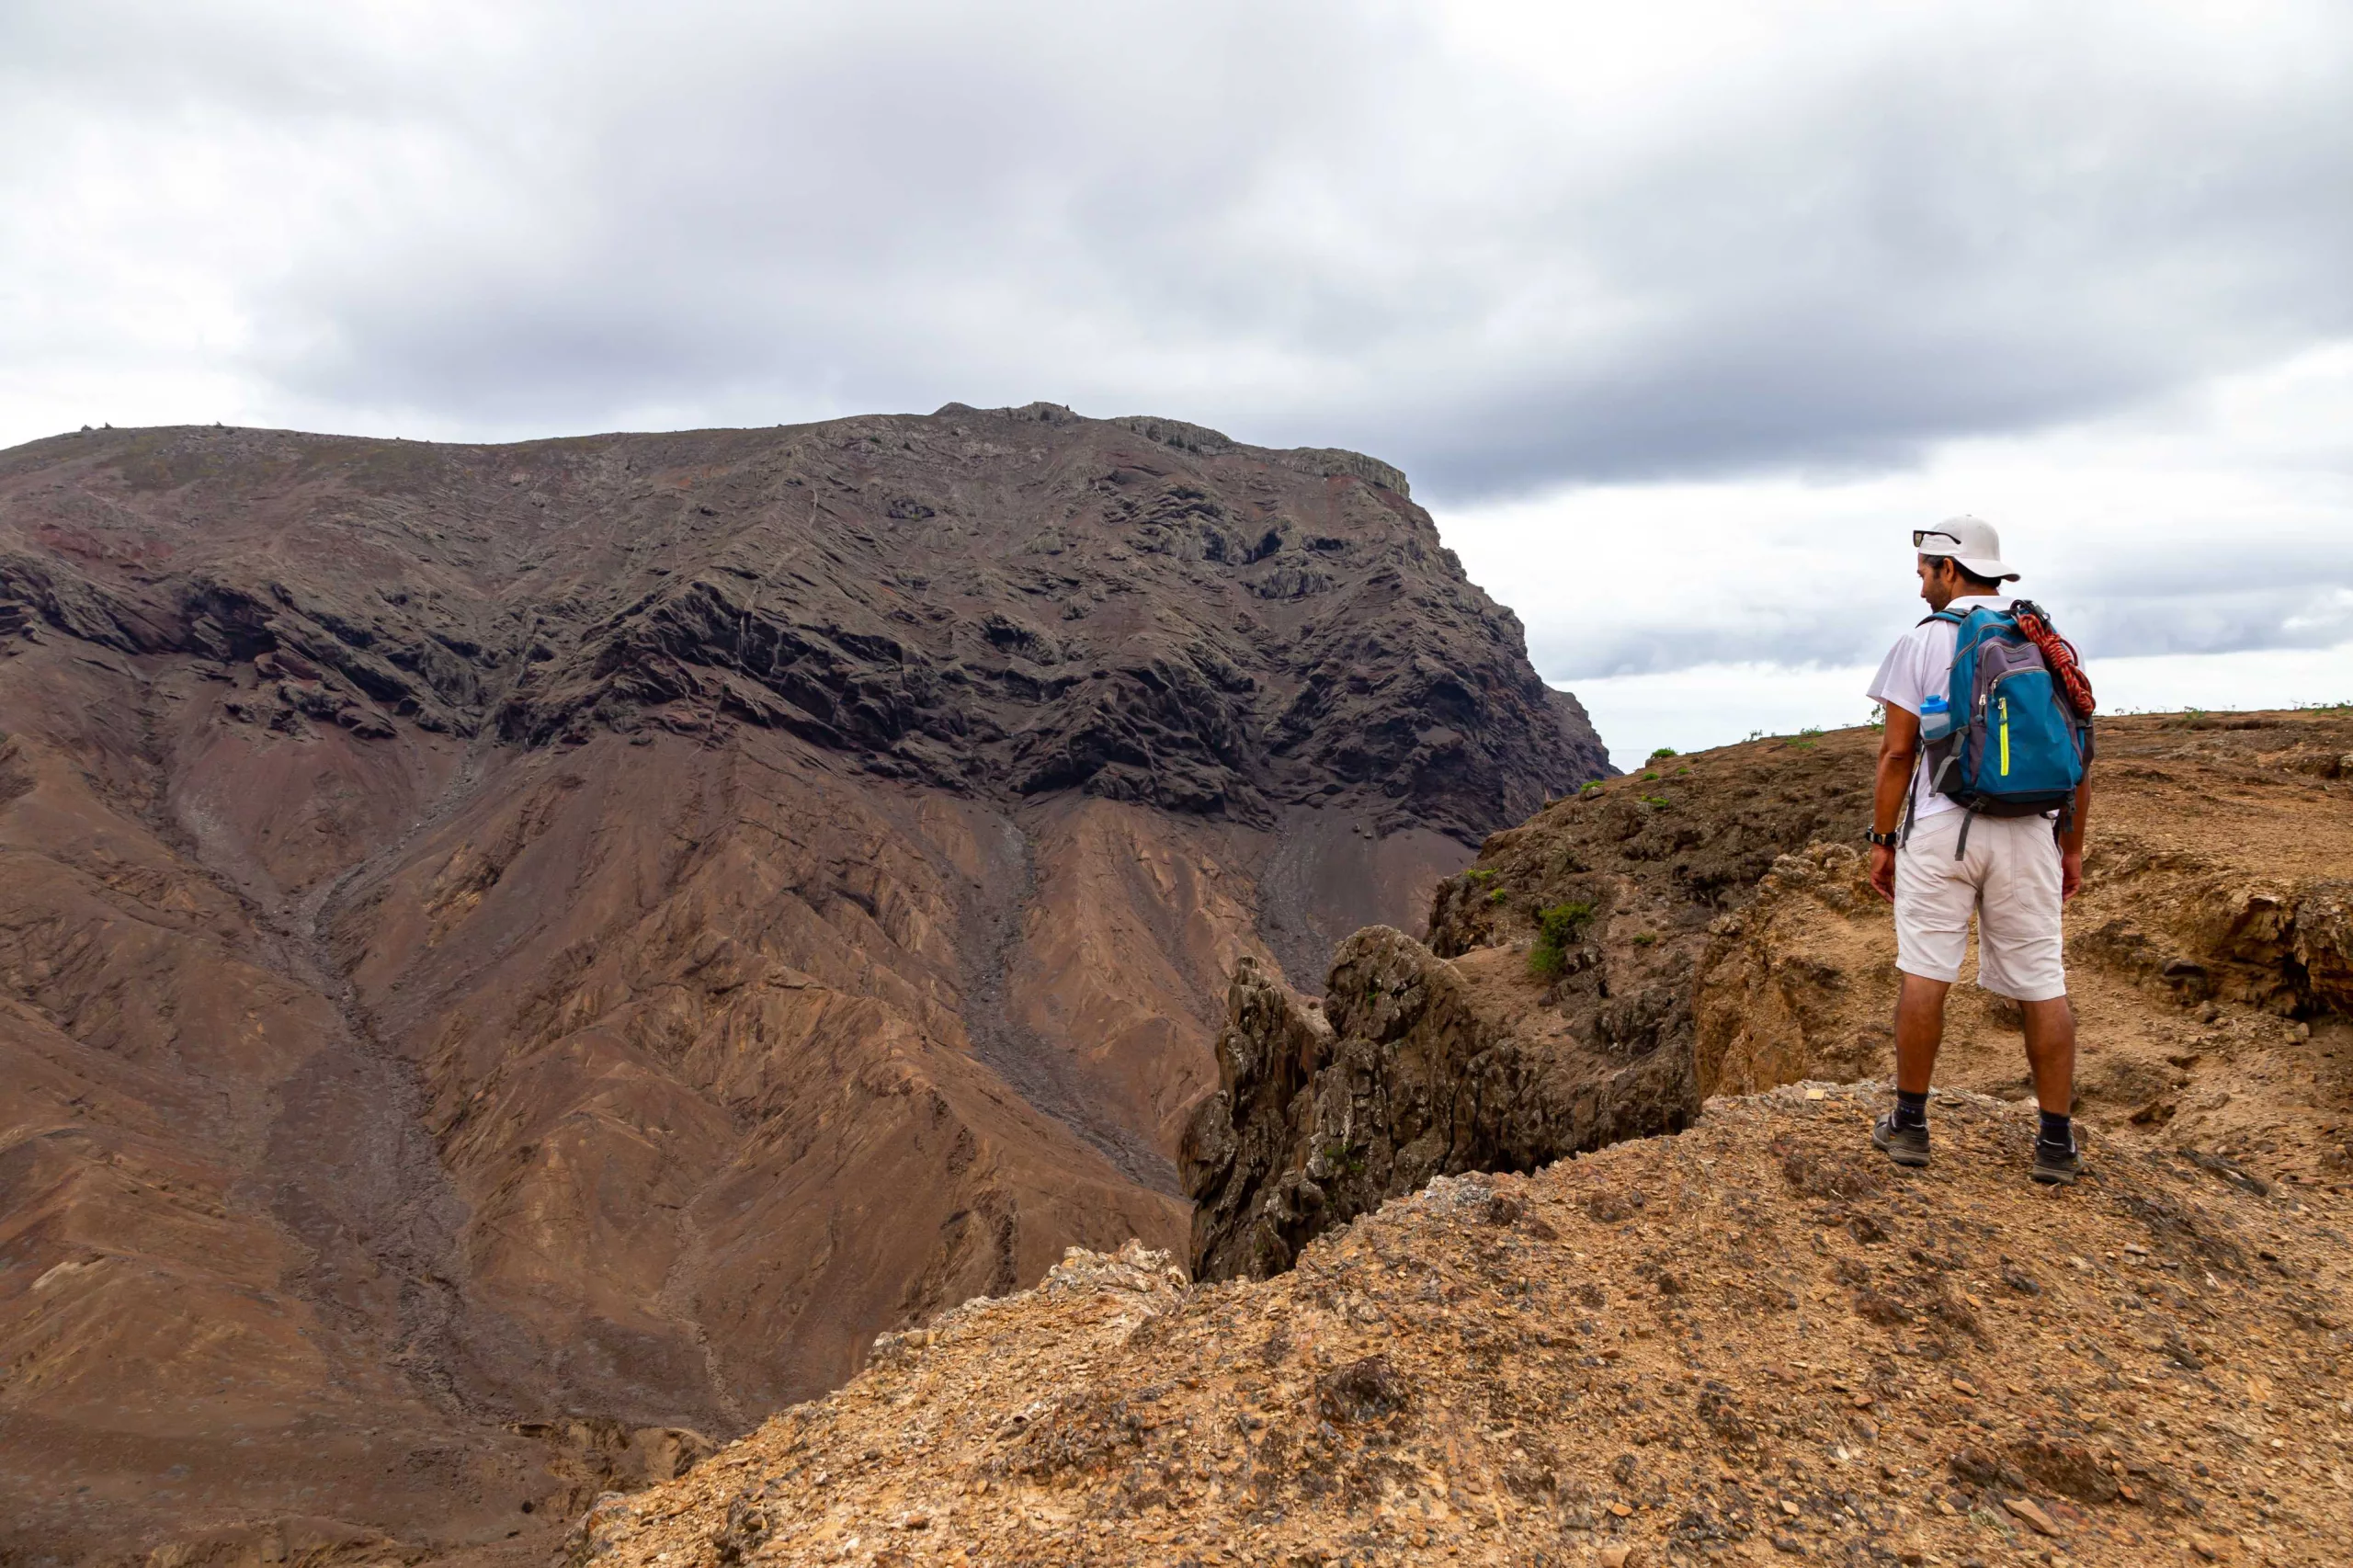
(1970,540)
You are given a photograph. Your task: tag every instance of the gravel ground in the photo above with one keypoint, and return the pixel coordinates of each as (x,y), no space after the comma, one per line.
(1754,1341)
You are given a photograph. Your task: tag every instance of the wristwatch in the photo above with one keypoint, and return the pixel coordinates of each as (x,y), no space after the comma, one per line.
(1887,839)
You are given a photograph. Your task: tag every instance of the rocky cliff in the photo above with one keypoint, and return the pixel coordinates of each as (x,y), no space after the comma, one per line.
(510,948)
(1706,927)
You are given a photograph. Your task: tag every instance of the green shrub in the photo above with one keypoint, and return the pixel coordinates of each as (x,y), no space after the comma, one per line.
(1555,928)
(1480,876)
(1339,1156)
(1662,753)
(1592,787)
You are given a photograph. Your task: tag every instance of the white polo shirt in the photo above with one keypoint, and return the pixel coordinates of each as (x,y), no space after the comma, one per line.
(1920,662)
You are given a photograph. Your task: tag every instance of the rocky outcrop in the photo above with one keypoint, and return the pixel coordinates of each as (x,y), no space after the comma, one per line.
(1708,927)
(1419,1071)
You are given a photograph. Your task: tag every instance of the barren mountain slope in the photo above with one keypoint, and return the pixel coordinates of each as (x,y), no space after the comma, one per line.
(1715,933)
(1753,1342)
(503,950)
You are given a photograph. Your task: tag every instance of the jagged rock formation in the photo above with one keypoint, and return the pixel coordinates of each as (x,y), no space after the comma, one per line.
(1420,1071)
(591,931)
(1754,1341)
(1707,928)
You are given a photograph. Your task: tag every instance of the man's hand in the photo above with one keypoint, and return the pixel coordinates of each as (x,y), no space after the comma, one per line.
(1883,871)
(2070,874)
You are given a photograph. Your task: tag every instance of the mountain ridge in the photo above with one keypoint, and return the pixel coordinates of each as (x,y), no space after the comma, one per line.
(510,952)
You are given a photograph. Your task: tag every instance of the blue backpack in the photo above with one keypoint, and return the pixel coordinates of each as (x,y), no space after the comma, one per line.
(2003,740)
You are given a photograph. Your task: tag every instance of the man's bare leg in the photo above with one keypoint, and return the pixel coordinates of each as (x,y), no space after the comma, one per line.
(1920,1029)
(1902,1133)
(2051,1052)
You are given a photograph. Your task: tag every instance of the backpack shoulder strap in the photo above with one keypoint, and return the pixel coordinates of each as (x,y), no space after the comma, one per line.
(1940,615)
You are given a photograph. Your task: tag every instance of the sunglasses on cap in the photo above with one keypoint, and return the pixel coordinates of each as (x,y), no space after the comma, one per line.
(1922,536)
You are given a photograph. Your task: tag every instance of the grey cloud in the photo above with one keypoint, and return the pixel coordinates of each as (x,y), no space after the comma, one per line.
(2216,596)
(1264,217)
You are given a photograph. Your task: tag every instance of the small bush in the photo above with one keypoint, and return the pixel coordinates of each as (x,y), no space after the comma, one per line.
(1592,787)
(1361,1392)
(1480,876)
(1556,928)
(1662,753)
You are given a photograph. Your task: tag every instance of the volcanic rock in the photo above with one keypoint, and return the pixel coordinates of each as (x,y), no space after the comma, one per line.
(1420,1072)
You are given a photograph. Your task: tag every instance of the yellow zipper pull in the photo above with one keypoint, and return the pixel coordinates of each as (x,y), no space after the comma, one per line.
(2005,737)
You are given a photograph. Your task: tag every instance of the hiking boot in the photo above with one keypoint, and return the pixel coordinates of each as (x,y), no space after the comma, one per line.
(1905,1145)
(2057,1165)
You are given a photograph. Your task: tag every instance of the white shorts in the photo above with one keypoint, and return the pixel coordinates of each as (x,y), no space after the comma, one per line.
(2009,880)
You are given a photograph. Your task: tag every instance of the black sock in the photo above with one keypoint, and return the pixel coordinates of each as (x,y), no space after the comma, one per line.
(2058,1130)
(1911,1110)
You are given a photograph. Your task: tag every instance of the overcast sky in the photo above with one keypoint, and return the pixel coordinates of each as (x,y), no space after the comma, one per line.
(1679,315)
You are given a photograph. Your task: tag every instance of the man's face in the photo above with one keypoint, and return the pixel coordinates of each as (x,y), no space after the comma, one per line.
(1935,580)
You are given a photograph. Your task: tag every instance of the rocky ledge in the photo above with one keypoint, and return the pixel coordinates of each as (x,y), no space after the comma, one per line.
(1756,1341)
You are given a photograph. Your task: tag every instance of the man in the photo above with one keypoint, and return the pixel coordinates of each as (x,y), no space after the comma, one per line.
(2014,873)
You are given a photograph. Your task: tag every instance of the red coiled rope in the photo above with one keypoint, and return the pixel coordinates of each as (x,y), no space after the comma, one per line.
(2066,668)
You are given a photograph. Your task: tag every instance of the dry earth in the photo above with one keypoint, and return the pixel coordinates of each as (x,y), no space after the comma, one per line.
(1756,1341)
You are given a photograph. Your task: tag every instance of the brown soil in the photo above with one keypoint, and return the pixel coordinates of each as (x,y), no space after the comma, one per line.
(1756,1341)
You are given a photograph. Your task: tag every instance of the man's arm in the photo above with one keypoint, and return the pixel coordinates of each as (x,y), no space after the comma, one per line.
(1899,746)
(2071,841)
